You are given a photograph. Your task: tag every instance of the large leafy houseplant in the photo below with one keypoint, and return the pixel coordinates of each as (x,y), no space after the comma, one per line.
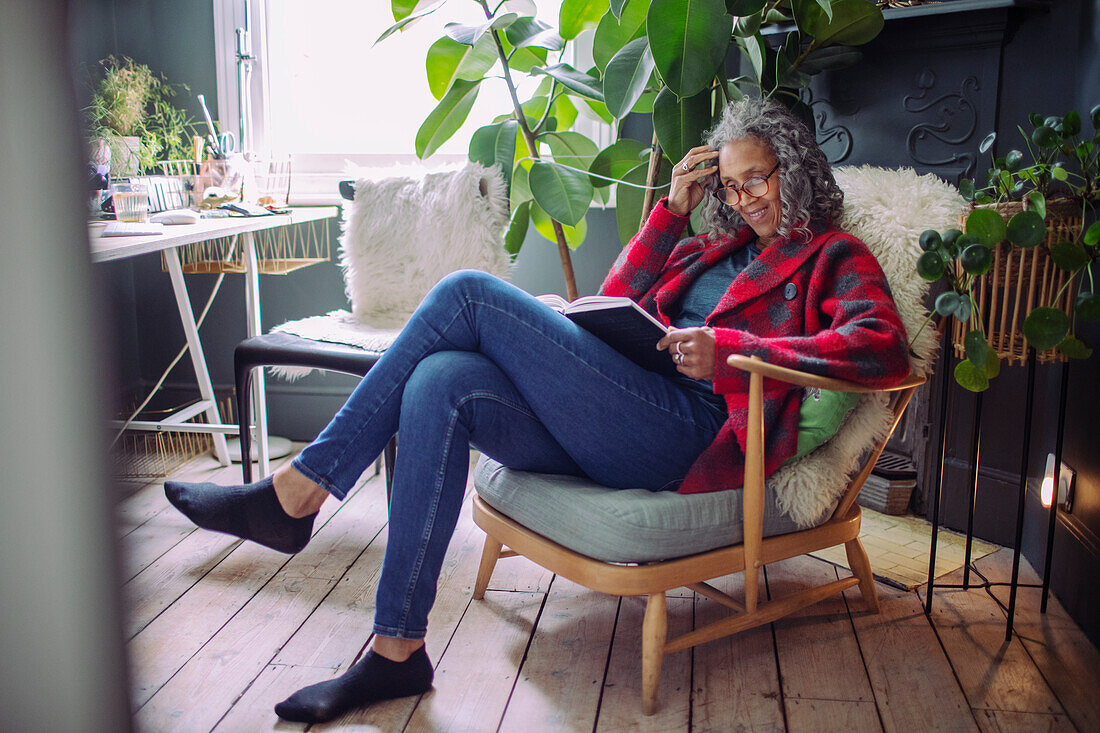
(129,100)
(1036,206)
(664,58)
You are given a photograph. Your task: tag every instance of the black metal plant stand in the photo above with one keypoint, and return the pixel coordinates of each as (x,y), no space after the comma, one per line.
(975,450)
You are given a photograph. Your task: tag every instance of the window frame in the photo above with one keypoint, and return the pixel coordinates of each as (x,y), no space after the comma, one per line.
(315,176)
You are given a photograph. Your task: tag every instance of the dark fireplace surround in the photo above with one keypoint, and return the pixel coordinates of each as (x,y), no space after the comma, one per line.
(935,82)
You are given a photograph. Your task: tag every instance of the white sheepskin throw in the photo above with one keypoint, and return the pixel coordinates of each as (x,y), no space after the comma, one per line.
(887,209)
(404,231)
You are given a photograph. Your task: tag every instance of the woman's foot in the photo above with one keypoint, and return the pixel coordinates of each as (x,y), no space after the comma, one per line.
(371,679)
(252,512)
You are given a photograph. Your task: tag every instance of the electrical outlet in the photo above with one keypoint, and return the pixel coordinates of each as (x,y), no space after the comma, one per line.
(1065,484)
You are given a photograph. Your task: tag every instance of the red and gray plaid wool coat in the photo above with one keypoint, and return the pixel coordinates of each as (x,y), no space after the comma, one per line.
(822,307)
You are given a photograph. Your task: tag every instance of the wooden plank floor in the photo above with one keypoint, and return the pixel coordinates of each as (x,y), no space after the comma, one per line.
(219,631)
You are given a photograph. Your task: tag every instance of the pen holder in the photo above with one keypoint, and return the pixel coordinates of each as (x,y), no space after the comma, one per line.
(222,179)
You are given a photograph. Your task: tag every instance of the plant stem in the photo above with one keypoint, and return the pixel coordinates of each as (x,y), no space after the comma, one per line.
(532,146)
(651,179)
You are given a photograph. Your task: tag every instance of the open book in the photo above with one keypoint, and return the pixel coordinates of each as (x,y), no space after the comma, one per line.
(622,324)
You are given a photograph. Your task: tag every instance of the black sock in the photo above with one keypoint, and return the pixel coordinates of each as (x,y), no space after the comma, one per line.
(371,679)
(251,512)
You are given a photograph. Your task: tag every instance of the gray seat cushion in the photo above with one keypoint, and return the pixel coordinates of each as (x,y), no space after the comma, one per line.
(620,525)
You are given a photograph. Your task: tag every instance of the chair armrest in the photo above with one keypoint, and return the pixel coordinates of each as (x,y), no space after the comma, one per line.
(755,365)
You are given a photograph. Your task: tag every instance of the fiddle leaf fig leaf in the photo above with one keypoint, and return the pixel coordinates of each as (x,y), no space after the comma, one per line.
(1045,328)
(748,25)
(851,23)
(689,40)
(571,148)
(444,121)
(447,60)
(830,59)
(987,225)
(614,32)
(562,193)
(680,123)
(741,8)
(407,18)
(496,145)
(517,230)
(1026,229)
(525,32)
(544,225)
(579,15)
(575,81)
(616,160)
(402,8)
(755,47)
(626,77)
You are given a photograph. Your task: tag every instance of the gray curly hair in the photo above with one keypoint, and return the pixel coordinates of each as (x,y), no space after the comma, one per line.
(809,196)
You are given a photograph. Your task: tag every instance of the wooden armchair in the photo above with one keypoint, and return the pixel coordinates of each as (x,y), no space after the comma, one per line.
(653,579)
(635,542)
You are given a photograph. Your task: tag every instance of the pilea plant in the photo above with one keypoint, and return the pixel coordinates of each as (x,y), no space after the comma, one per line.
(1063,172)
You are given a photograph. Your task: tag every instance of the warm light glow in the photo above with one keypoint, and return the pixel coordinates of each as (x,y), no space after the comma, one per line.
(1046,491)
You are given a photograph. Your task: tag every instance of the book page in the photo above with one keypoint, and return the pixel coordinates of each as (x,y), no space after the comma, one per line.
(554,300)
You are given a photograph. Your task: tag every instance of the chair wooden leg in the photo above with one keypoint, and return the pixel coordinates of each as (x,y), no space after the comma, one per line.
(654,634)
(861,567)
(489,555)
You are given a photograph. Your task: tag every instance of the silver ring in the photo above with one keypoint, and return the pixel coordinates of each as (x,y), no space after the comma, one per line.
(686,167)
(677,347)
(680,358)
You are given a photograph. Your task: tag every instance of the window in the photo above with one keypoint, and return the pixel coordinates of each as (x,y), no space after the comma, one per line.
(324,93)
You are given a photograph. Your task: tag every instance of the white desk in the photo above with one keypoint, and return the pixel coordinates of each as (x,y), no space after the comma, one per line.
(106,249)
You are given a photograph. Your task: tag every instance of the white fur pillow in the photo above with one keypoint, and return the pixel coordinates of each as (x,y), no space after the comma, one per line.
(408,227)
(887,209)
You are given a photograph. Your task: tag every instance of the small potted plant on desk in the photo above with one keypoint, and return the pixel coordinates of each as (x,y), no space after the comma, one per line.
(1018,272)
(132,119)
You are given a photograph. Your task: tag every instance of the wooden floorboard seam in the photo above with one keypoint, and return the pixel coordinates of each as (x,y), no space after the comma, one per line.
(526,650)
(859,646)
(775,652)
(239,609)
(607,663)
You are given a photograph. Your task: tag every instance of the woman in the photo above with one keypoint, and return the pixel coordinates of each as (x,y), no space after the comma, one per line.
(484,364)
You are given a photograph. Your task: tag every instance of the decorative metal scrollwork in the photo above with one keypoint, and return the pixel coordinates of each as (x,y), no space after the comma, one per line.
(957,121)
(835,141)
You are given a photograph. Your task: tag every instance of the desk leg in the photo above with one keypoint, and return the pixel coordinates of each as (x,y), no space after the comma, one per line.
(194,347)
(255,328)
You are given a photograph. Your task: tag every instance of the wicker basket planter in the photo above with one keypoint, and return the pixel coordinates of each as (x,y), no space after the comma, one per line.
(1019,281)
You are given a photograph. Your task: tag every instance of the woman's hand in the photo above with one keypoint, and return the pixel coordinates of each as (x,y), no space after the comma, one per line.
(687,182)
(693,351)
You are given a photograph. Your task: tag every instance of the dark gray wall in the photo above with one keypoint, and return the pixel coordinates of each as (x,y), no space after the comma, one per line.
(928,90)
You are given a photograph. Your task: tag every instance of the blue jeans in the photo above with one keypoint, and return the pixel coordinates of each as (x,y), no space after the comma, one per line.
(481,363)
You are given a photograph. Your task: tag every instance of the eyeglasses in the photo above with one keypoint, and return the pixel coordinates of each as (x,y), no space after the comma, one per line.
(754,187)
